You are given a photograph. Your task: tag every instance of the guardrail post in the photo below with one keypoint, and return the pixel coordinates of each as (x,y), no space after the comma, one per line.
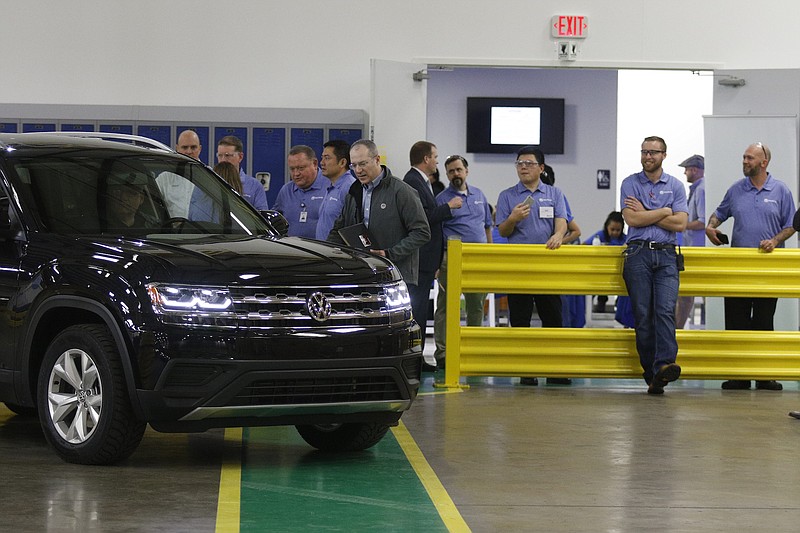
(452,371)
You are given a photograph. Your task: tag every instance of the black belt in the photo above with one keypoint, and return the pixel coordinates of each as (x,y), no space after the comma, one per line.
(654,245)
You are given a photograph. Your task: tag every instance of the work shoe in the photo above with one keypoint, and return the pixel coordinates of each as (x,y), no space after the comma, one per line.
(667,373)
(769,385)
(736,384)
(559,381)
(528,381)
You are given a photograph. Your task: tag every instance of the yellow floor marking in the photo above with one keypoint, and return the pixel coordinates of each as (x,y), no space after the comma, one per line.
(230,483)
(447,510)
(440,391)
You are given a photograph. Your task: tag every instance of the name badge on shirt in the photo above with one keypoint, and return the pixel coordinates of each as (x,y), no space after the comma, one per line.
(546,211)
(303,216)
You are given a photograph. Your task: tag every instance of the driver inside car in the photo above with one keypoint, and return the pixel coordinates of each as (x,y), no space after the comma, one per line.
(124,198)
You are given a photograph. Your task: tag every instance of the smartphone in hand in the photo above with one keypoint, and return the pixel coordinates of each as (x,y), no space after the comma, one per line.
(528,201)
(723,238)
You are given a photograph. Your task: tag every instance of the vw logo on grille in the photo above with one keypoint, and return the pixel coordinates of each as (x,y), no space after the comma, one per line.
(318,307)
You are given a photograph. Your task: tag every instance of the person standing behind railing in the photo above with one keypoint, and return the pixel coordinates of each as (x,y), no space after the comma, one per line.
(695,234)
(470,222)
(532,212)
(654,206)
(762,208)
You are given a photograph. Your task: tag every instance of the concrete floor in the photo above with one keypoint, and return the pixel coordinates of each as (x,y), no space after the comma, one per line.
(598,456)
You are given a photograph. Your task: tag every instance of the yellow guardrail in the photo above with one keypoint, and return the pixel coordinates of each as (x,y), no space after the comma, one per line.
(611,352)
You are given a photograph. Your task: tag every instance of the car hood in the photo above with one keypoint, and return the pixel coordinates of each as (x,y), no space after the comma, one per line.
(228,260)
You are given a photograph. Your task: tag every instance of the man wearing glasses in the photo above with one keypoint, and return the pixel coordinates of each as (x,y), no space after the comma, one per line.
(762,208)
(230,149)
(532,212)
(390,209)
(654,206)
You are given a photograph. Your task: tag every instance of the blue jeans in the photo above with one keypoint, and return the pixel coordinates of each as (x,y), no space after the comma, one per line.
(651,277)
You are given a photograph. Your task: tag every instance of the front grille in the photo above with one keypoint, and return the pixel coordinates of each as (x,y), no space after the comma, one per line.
(286,306)
(331,390)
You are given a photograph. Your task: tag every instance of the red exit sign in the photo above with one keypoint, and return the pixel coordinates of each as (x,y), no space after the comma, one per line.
(569,26)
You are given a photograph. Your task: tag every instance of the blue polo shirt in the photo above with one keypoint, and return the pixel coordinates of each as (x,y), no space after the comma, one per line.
(331,206)
(301,206)
(697,211)
(668,191)
(539,226)
(470,221)
(253,191)
(602,236)
(758,215)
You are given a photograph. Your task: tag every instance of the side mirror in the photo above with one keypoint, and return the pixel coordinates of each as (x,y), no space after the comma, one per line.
(277,221)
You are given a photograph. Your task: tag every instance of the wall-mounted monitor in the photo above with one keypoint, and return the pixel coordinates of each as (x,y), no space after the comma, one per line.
(504,125)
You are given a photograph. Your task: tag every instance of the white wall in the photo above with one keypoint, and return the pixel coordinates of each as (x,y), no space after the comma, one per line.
(315,53)
(590,130)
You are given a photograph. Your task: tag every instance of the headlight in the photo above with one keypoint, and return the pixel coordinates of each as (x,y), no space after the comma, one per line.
(397,296)
(182,299)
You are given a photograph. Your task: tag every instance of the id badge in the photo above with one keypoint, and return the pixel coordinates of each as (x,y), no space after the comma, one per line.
(546,211)
(303,216)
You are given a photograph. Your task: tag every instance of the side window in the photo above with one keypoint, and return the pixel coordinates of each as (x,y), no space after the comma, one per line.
(5,211)
(10,226)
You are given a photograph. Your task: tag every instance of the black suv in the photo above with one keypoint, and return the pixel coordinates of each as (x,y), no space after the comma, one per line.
(136,287)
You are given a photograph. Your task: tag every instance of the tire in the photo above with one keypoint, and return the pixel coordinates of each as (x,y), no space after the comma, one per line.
(343,437)
(84,408)
(22,410)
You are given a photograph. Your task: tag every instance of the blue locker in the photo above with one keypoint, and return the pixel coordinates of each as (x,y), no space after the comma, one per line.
(310,137)
(126,129)
(31,127)
(222,131)
(269,155)
(157,132)
(8,127)
(350,135)
(77,127)
(203,133)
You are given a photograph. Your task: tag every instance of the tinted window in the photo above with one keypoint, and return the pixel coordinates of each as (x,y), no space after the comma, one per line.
(115,193)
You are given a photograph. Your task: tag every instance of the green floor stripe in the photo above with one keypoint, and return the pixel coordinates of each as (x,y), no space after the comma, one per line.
(288,486)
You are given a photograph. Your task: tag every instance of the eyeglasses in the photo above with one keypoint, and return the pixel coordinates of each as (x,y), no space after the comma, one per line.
(763,149)
(452,158)
(360,164)
(526,163)
(648,153)
(229,155)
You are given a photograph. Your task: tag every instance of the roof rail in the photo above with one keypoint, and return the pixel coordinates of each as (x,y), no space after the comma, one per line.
(133,139)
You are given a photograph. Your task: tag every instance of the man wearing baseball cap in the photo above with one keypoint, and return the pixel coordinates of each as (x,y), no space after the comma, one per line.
(695,234)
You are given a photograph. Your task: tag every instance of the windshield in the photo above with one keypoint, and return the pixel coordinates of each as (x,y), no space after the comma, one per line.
(106,192)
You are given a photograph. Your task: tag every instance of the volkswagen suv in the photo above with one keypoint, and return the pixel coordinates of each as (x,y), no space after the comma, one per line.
(136,287)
